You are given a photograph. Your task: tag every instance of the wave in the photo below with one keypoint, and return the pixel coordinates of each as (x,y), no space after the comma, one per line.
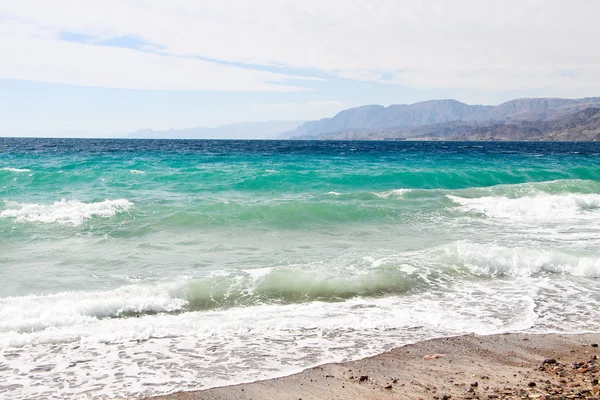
(67,212)
(491,260)
(217,291)
(34,313)
(531,207)
(391,193)
(137,172)
(394,276)
(16,170)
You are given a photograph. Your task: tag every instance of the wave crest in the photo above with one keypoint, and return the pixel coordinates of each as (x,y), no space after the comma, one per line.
(66,212)
(493,260)
(535,207)
(16,170)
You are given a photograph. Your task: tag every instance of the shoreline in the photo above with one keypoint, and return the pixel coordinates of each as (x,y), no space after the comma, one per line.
(504,366)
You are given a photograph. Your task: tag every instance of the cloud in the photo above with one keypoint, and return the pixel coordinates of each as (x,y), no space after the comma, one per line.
(549,45)
(33,53)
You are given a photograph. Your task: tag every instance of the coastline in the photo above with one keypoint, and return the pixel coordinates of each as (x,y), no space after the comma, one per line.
(470,367)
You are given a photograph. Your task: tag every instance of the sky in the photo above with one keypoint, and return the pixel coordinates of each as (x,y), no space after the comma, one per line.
(87,67)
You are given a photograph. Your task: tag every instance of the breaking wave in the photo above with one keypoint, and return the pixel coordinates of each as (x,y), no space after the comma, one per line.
(68,212)
(538,207)
(16,170)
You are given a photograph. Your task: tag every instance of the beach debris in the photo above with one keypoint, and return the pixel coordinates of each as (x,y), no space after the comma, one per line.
(432,356)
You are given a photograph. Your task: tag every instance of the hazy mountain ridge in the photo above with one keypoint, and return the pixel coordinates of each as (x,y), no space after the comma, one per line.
(243,130)
(580,126)
(376,117)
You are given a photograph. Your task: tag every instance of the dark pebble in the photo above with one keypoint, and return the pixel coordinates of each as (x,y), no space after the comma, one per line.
(532,384)
(389,387)
(363,378)
(549,361)
(594,344)
(474,384)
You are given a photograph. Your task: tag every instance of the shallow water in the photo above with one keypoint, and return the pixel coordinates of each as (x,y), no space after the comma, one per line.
(143,267)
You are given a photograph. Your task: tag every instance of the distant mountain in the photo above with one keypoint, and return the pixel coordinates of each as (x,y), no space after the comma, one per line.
(375,117)
(243,130)
(580,126)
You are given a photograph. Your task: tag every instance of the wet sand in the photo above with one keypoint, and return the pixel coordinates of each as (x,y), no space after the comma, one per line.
(512,366)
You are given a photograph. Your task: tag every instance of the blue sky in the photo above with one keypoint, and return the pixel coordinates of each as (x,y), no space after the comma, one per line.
(100,67)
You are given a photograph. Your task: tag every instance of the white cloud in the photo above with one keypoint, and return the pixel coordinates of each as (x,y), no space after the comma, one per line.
(32,53)
(460,44)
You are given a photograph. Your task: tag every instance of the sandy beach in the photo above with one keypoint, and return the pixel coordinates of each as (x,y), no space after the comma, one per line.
(555,366)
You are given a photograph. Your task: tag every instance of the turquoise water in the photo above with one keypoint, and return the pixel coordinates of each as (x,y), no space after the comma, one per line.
(170,265)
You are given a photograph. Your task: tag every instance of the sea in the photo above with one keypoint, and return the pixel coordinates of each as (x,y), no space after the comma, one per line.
(145,267)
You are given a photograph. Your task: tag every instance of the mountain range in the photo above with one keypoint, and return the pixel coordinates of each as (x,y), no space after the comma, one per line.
(581,126)
(521,119)
(243,130)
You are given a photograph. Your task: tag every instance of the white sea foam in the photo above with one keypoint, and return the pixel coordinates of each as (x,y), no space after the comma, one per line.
(392,193)
(17,170)
(166,348)
(137,172)
(196,350)
(494,260)
(69,212)
(536,207)
(36,313)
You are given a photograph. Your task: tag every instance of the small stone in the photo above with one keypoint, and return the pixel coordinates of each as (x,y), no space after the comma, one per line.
(594,344)
(395,381)
(363,378)
(389,387)
(532,384)
(446,397)
(549,361)
(474,384)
